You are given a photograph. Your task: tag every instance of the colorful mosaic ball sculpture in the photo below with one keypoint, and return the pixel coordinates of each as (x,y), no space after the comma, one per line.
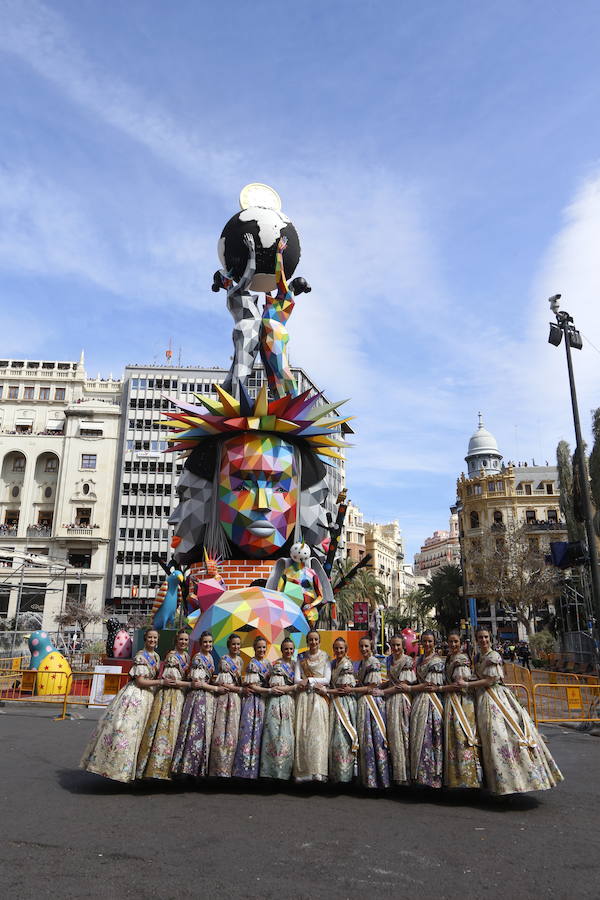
(53,669)
(250,612)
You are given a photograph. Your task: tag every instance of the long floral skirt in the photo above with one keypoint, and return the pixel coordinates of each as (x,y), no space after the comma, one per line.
(225,735)
(113,748)
(192,748)
(246,761)
(397,710)
(426,742)
(374,762)
(312,737)
(462,758)
(160,734)
(508,766)
(342,760)
(277,754)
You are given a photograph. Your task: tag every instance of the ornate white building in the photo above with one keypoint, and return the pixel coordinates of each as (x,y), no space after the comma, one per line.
(59,435)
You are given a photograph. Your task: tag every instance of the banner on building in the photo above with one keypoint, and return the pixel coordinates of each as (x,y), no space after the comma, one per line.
(361,612)
(473,612)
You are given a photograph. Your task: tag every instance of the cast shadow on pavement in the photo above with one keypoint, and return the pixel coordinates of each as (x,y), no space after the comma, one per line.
(77,781)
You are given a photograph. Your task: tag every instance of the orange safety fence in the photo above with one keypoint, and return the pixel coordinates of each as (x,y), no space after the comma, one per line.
(522,675)
(56,687)
(566,703)
(11,663)
(522,693)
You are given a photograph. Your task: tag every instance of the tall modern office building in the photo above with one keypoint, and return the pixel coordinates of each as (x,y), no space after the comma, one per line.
(145,489)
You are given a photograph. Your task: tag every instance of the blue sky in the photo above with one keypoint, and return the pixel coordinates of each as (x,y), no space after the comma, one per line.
(441,164)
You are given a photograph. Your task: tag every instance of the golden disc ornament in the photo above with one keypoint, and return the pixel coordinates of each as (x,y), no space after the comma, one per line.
(261,195)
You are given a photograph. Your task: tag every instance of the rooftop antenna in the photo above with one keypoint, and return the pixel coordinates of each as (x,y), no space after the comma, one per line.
(179,357)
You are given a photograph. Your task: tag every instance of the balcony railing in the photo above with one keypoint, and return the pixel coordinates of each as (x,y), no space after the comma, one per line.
(536,492)
(77,531)
(543,525)
(8,530)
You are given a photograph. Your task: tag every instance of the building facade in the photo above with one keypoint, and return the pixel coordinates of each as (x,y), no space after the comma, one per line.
(354,533)
(493,499)
(59,439)
(441,549)
(145,491)
(385,545)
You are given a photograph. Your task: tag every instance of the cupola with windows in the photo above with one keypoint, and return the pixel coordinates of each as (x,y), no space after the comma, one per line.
(483,453)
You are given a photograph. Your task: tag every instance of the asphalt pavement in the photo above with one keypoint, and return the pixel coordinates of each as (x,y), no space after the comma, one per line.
(68,834)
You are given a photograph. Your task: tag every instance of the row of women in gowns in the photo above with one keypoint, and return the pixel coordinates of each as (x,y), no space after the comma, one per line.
(434,724)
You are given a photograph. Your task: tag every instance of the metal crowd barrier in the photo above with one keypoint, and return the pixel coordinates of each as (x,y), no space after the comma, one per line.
(515,688)
(19,685)
(566,703)
(520,674)
(11,663)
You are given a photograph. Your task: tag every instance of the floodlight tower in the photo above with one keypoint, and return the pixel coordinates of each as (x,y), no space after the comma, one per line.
(566,326)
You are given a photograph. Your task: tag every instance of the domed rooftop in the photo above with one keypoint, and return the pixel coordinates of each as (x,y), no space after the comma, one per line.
(483,454)
(482,440)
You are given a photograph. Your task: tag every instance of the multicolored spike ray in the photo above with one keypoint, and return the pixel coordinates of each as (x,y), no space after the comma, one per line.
(290,417)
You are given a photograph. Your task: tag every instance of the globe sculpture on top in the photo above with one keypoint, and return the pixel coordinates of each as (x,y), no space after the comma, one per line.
(257,247)
(261,217)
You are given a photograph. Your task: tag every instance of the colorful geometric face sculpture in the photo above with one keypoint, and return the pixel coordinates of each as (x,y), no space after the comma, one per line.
(190,516)
(258,493)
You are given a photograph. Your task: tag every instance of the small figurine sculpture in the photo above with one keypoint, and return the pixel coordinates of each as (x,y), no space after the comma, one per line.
(54,672)
(302,578)
(168,598)
(274,335)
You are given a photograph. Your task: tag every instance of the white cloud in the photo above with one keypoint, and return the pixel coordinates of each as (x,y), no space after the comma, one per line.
(42,39)
(48,229)
(530,410)
(572,267)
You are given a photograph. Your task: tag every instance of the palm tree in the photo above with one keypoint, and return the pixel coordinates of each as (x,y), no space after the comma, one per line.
(365,586)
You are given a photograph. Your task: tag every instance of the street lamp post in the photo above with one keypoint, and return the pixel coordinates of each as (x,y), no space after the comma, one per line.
(566,327)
